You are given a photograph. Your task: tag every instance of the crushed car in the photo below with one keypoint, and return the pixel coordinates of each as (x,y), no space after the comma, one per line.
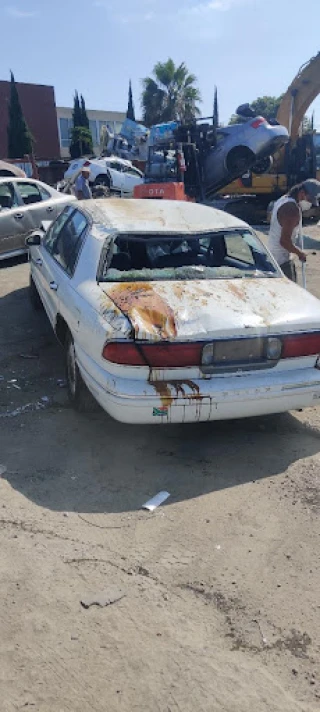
(171,312)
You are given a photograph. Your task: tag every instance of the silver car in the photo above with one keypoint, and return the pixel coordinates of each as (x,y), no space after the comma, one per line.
(24,204)
(241,147)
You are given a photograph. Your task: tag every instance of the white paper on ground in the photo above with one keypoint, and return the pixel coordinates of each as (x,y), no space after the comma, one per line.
(156,501)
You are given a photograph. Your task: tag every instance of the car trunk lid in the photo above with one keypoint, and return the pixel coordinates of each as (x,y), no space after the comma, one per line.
(201,310)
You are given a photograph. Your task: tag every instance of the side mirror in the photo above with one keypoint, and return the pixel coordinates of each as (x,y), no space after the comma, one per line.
(34,239)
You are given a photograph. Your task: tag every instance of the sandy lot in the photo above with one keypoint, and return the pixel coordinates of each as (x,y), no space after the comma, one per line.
(221,606)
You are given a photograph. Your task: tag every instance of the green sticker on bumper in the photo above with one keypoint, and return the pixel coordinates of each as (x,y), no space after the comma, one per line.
(160,411)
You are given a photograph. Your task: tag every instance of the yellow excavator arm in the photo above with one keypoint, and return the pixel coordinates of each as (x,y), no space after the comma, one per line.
(299,96)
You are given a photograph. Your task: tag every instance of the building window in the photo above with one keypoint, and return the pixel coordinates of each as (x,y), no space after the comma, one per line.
(109,124)
(117,126)
(94,132)
(65,126)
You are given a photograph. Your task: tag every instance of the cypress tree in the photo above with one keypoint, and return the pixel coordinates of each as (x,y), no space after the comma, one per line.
(84,115)
(130,110)
(76,114)
(81,138)
(19,137)
(216,108)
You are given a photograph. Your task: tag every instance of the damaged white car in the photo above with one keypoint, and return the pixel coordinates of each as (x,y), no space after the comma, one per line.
(173,312)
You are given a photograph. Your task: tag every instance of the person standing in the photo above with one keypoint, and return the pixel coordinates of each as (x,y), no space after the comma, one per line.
(82,188)
(286,224)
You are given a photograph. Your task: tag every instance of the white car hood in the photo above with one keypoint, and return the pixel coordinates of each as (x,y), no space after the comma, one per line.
(202,309)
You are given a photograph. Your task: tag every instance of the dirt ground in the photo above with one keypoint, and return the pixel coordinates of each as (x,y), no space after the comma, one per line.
(221,606)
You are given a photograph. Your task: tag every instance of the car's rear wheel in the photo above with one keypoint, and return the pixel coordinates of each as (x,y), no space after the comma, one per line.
(102,180)
(263,165)
(239,160)
(35,300)
(79,395)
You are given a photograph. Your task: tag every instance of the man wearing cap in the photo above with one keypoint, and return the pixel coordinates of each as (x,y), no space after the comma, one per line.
(286,224)
(82,187)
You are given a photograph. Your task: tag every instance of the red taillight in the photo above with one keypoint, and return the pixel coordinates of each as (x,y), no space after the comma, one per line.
(258,122)
(124,353)
(172,355)
(161,355)
(303,345)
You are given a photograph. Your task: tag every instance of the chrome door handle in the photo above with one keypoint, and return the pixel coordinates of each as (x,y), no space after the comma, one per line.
(18,216)
(38,262)
(49,209)
(53,286)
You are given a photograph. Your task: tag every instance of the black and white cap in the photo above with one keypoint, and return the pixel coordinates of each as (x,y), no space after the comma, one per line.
(311,188)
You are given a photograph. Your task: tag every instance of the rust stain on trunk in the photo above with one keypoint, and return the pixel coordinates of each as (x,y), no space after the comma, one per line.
(146,310)
(237,291)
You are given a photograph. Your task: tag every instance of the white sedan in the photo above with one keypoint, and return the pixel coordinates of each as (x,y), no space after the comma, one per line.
(172,312)
(118,175)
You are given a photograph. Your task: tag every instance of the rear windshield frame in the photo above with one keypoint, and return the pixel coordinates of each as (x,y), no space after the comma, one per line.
(150,237)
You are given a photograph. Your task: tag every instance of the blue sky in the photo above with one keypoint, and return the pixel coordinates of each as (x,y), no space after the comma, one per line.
(247,47)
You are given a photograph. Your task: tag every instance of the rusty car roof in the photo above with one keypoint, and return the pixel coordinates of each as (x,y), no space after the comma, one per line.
(139,216)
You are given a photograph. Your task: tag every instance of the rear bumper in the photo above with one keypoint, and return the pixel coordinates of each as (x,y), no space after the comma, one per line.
(273,145)
(137,401)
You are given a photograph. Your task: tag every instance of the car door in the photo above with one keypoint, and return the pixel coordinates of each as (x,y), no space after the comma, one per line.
(131,177)
(15,223)
(44,267)
(67,251)
(59,253)
(117,176)
(38,201)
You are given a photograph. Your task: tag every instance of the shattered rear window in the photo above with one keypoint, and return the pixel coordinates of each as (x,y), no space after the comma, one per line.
(215,255)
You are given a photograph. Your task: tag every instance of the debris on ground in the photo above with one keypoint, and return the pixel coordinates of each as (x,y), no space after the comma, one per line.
(3,470)
(105,598)
(22,409)
(158,499)
(62,383)
(29,356)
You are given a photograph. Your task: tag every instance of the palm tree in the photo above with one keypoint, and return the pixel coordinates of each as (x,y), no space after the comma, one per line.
(170,94)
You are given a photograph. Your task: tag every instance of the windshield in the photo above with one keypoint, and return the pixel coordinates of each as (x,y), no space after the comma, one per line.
(214,255)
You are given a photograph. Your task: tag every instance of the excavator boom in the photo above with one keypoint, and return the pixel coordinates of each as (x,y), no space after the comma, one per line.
(299,96)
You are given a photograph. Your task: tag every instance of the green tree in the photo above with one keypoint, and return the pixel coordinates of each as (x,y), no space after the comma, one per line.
(215,108)
(170,94)
(266,106)
(81,142)
(84,115)
(81,137)
(76,114)
(19,136)
(130,109)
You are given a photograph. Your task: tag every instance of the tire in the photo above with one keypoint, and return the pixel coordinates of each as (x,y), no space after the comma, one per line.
(262,166)
(35,300)
(79,395)
(100,191)
(102,180)
(239,160)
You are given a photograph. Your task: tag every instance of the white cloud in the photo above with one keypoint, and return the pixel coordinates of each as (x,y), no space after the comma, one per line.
(213,5)
(19,14)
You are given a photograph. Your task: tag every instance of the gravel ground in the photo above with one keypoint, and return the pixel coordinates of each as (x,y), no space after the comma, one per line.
(221,584)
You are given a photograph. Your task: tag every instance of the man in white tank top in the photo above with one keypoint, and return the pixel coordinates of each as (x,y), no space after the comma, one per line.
(286,224)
